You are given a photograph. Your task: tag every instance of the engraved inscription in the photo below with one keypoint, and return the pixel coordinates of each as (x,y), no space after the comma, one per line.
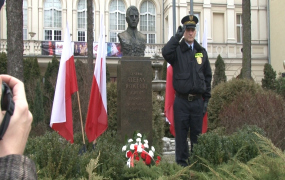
(137,87)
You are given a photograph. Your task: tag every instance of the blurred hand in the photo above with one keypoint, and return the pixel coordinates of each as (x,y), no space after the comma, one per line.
(180,32)
(16,136)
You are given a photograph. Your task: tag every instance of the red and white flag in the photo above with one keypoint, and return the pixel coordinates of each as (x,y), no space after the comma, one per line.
(205,45)
(66,85)
(169,94)
(97,119)
(169,99)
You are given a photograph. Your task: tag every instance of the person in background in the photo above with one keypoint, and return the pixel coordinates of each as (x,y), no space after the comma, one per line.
(192,76)
(13,165)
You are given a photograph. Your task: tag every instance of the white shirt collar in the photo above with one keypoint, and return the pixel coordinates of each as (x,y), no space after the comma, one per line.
(190,44)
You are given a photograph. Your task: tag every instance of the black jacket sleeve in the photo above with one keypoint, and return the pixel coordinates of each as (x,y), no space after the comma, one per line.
(169,50)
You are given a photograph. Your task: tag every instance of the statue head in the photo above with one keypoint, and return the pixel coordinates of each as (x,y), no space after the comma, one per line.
(132,17)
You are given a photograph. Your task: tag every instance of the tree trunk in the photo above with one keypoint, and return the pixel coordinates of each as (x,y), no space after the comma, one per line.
(90,40)
(14,9)
(246,25)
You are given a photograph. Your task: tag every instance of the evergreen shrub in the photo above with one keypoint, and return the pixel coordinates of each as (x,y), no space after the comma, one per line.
(280,86)
(55,157)
(38,110)
(49,87)
(269,164)
(31,77)
(215,148)
(269,80)
(265,109)
(225,93)
(3,63)
(220,72)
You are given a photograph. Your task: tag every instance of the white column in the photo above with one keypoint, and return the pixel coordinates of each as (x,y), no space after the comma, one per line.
(41,25)
(208,15)
(74,25)
(3,22)
(230,24)
(34,20)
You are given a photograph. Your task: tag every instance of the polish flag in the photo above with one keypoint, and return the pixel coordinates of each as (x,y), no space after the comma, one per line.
(66,85)
(97,119)
(169,93)
(169,99)
(205,45)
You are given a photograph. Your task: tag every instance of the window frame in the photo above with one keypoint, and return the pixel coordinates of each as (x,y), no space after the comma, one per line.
(113,32)
(25,20)
(56,31)
(148,32)
(239,28)
(83,30)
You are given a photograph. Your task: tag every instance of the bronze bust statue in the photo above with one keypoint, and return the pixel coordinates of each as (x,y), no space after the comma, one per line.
(132,41)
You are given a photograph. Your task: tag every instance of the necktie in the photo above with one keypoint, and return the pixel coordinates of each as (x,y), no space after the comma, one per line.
(190,48)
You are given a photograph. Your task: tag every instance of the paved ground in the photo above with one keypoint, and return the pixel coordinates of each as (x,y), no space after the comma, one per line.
(168,157)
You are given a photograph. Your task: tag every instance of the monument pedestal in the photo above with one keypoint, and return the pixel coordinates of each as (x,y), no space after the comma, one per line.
(134,97)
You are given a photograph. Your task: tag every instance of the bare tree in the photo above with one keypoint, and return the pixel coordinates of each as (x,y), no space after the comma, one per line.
(246,24)
(90,40)
(14,12)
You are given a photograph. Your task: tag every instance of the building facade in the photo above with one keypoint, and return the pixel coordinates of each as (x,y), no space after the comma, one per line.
(45,21)
(276,35)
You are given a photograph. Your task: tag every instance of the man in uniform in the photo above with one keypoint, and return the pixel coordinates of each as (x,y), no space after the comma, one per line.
(192,78)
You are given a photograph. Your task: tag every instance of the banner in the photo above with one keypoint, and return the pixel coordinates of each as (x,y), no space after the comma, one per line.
(114,50)
(80,48)
(59,47)
(48,48)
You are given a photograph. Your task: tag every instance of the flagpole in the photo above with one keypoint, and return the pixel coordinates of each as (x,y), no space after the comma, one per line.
(81,119)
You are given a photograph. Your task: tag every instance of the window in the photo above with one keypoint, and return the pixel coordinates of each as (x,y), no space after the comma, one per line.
(25,20)
(239,28)
(117,19)
(82,20)
(147,21)
(52,20)
(197,28)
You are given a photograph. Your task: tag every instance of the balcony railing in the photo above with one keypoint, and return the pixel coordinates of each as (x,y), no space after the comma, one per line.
(227,51)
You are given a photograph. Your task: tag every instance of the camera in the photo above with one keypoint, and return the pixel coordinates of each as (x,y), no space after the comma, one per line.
(4,96)
(7,104)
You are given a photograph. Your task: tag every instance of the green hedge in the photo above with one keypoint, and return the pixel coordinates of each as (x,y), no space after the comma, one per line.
(215,148)
(225,93)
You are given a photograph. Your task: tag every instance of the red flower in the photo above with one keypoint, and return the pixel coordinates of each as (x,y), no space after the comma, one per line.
(136,147)
(143,155)
(148,160)
(129,154)
(137,158)
(157,162)
(158,158)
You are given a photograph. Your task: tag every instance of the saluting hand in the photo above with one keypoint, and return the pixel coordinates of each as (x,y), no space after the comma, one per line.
(180,32)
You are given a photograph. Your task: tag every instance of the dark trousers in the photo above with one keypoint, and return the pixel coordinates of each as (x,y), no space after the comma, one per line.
(187,115)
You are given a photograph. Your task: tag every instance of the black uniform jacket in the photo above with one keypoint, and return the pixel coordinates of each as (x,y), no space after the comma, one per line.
(192,72)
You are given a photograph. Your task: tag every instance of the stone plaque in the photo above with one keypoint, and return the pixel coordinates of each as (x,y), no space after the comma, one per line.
(134,97)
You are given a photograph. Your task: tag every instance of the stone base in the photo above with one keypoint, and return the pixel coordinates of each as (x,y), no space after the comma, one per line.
(134,97)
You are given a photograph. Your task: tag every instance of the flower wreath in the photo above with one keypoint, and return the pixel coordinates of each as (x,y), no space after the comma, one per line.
(136,149)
